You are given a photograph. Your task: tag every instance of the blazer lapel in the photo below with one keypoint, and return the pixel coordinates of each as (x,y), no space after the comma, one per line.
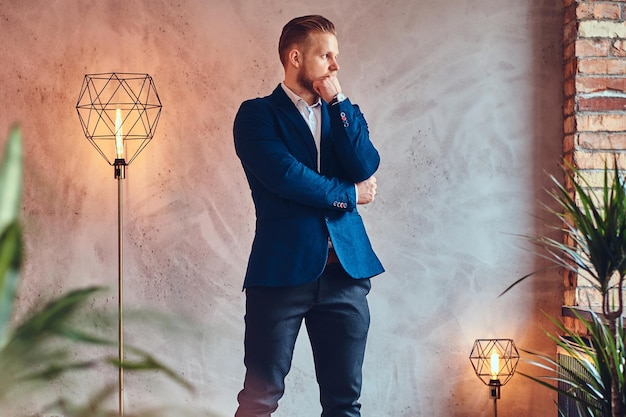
(301,131)
(326,143)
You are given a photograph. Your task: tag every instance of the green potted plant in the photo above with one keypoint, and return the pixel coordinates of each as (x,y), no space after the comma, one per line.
(36,350)
(594,225)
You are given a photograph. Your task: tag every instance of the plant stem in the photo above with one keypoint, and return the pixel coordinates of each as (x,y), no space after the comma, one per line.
(616,397)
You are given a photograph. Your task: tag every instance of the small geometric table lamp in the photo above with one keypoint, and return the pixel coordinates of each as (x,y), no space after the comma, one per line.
(494,361)
(119,113)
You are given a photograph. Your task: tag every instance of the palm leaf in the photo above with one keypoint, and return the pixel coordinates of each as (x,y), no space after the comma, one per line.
(588,382)
(30,352)
(11,178)
(10,263)
(37,349)
(595,227)
(10,235)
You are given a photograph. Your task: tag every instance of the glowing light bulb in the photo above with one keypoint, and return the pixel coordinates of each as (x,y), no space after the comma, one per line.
(495,365)
(119,138)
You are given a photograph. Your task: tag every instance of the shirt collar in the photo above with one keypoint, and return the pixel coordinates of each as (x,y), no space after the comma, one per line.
(296,99)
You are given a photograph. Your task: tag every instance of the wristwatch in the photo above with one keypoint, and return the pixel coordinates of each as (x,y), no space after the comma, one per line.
(337,99)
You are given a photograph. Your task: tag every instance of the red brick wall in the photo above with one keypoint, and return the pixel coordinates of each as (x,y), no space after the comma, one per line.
(594,45)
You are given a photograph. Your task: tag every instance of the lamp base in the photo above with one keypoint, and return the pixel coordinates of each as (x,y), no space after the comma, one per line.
(494,389)
(119,167)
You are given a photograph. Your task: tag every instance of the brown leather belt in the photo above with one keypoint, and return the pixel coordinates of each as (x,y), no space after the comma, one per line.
(332,257)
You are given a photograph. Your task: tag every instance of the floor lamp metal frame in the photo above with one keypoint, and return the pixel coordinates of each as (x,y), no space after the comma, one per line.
(119,113)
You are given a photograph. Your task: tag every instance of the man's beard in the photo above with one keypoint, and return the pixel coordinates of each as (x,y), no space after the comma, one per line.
(307,83)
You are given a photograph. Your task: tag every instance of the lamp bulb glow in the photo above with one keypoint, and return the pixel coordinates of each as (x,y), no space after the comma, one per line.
(495,365)
(119,136)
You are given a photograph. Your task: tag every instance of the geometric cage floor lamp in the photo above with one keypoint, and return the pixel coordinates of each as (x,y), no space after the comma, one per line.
(494,362)
(119,113)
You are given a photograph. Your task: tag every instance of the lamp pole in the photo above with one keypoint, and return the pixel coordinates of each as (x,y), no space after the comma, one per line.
(494,392)
(495,407)
(120,173)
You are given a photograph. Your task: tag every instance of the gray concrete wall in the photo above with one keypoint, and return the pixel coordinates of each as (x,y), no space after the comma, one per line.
(463,99)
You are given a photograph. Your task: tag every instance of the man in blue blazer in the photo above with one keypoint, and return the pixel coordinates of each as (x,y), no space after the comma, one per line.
(306,153)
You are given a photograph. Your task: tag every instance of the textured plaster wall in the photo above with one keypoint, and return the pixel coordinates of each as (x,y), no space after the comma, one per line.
(463,98)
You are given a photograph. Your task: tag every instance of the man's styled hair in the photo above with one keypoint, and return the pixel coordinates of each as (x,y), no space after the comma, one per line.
(298,29)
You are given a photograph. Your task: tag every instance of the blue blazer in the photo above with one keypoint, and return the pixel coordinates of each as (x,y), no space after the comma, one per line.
(297,207)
